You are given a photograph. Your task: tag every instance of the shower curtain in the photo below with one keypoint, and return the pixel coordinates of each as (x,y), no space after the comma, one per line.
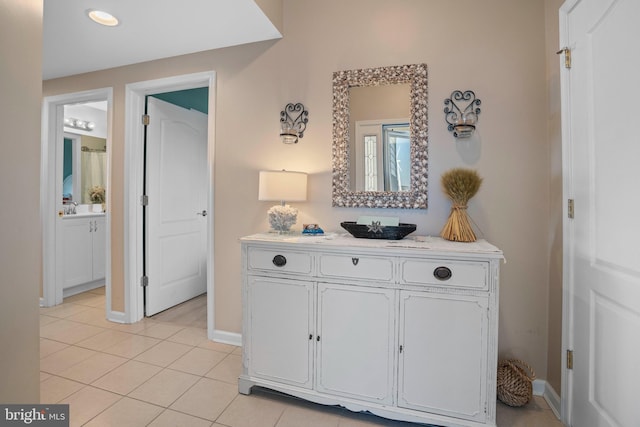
(94,172)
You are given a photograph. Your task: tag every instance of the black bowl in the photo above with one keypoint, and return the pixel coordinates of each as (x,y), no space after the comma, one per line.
(364,231)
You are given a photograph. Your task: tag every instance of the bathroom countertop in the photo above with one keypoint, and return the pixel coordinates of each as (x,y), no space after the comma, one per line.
(82,215)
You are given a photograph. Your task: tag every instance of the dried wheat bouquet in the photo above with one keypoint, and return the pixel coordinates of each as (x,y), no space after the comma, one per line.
(460,185)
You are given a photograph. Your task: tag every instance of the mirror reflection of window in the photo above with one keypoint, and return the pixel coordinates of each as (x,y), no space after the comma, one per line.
(396,163)
(372,107)
(371,163)
(383,155)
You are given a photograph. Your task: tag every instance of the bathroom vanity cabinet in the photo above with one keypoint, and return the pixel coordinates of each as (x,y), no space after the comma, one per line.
(84,249)
(403,329)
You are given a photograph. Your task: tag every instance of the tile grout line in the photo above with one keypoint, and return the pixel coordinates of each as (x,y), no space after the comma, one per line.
(141,332)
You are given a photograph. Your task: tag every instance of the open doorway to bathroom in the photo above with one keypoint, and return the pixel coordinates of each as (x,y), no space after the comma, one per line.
(84,191)
(75,194)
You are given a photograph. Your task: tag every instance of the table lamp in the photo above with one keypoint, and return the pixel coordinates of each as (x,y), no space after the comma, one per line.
(283,186)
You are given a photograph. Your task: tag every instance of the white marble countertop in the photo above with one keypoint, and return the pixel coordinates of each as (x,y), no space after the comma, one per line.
(410,242)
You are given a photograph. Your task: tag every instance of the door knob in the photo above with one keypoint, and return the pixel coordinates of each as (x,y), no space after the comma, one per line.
(203,213)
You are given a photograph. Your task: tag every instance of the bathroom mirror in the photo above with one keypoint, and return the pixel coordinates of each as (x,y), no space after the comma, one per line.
(380,137)
(84,168)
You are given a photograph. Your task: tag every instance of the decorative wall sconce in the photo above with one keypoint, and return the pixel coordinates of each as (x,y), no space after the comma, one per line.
(293,122)
(462,121)
(70,122)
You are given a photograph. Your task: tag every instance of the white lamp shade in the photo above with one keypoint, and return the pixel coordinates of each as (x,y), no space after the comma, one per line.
(282,186)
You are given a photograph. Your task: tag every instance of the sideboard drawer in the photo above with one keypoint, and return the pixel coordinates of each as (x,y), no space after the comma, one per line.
(279,261)
(356,267)
(463,274)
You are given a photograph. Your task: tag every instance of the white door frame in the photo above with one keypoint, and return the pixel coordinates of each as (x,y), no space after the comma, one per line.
(51,190)
(567,226)
(135,94)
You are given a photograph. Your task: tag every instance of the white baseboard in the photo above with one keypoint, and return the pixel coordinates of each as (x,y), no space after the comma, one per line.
(539,387)
(554,401)
(542,388)
(225,337)
(78,289)
(116,316)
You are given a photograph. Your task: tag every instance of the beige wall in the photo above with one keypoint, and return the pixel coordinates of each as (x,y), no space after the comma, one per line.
(20,245)
(273,10)
(494,47)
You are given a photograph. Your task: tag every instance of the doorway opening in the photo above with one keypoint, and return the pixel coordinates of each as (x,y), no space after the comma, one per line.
(175,192)
(74,191)
(135,215)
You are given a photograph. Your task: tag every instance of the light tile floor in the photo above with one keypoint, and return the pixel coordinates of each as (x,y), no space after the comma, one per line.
(163,371)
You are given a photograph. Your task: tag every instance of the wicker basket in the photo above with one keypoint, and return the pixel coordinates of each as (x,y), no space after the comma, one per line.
(515,379)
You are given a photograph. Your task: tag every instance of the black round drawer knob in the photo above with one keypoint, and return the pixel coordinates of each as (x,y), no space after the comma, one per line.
(279,260)
(442,273)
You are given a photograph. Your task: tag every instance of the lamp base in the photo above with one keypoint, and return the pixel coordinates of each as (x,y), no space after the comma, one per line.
(282,217)
(289,232)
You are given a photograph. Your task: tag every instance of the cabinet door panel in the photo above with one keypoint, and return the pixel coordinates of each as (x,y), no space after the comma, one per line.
(356,348)
(77,252)
(280,323)
(443,363)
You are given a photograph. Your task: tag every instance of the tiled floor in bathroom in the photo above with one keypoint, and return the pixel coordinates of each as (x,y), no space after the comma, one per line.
(163,371)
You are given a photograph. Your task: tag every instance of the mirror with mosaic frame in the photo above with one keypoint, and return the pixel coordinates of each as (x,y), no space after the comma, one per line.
(412,195)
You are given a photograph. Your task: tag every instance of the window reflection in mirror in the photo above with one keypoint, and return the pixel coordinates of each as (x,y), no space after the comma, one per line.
(396,159)
(382,155)
(380,149)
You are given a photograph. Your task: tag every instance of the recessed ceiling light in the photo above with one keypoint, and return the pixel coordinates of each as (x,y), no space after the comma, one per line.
(103,18)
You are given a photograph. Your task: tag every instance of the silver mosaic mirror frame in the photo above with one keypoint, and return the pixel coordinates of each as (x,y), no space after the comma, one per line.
(416,197)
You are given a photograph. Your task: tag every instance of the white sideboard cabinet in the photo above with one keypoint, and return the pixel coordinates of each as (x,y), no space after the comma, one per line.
(84,249)
(404,329)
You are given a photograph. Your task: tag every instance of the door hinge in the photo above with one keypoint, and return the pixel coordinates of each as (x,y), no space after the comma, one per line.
(144,200)
(569,359)
(145,119)
(567,56)
(570,208)
(144,281)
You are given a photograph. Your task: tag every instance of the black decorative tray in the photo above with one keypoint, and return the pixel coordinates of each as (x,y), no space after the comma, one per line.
(377,231)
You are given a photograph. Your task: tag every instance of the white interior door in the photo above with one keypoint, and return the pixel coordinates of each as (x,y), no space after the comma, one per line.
(175,215)
(602,256)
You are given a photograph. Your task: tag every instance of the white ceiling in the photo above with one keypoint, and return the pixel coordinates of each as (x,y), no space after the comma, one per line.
(148,30)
